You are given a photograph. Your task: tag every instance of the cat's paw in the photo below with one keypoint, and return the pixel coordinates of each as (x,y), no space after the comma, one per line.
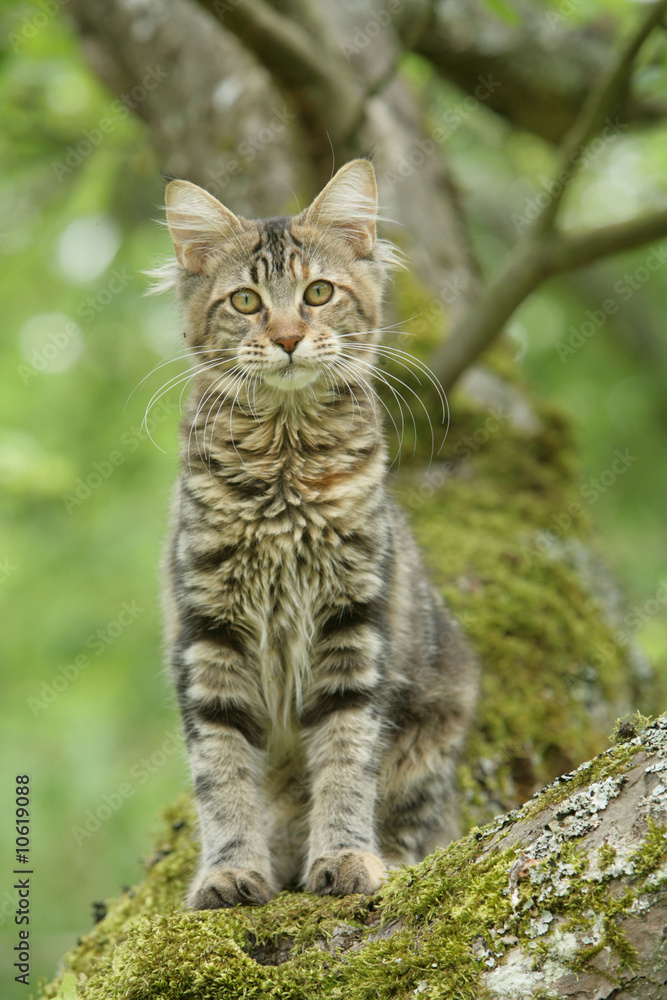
(216,888)
(345,872)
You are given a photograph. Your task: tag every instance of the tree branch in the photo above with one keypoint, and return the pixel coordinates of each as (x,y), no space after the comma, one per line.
(212,111)
(532,262)
(544,67)
(601,102)
(543,251)
(303,63)
(563,898)
(572,250)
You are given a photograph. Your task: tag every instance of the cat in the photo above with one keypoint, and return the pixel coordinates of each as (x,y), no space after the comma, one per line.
(324,687)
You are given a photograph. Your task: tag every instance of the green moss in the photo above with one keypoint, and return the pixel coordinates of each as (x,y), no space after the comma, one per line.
(482,519)
(438,926)
(154,951)
(608,765)
(653,850)
(500,515)
(607,855)
(629,727)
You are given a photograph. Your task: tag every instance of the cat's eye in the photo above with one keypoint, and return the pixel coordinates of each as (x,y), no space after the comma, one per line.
(318,292)
(246,300)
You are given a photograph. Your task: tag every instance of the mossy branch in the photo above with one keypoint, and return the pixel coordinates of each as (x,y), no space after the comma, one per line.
(563,898)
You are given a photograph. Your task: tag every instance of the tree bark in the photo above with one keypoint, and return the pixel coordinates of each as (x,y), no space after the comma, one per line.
(586,881)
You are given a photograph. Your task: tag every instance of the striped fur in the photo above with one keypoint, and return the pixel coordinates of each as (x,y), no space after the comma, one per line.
(325,689)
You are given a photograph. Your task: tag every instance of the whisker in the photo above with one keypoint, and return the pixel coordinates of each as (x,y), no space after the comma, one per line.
(169,361)
(172,384)
(397,395)
(330,380)
(231,414)
(355,401)
(176,379)
(193,425)
(384,329)
(337,370)
(330,376)
(397,355)
(339,361)
(206,396)
(224,394)
(379,373)
(249,373)
(230,374)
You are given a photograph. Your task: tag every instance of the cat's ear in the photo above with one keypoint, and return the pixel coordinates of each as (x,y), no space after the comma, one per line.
(199,224)
(348,206)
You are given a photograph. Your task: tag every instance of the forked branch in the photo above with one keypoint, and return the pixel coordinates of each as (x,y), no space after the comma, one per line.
(544,250)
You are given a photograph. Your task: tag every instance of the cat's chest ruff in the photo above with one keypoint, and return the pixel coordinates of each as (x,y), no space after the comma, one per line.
(309,466)
(281,503)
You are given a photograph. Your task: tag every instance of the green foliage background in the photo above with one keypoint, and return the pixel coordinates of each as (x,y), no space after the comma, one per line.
(67,567)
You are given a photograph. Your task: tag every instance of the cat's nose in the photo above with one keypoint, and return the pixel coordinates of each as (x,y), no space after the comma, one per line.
(288,343)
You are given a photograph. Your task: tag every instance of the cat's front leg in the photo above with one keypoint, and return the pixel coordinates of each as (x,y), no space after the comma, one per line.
(225,742)
(235,866)
(343,728)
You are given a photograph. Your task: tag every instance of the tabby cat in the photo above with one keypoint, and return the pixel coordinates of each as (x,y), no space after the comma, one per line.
(325,689)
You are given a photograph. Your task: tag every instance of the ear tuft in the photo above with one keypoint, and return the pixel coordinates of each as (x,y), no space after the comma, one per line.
(348,206)
(199,224)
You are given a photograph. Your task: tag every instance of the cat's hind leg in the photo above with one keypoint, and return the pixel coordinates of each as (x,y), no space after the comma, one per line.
(418,803)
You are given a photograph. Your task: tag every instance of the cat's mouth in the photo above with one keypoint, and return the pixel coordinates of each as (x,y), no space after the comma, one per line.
(292,374)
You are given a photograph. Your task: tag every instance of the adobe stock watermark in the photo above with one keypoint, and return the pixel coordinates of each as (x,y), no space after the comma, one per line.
(6,570)
(222,7)
(453,118)
(248,149)
(85,486)
(120,109)
(42,358)
(139,774)
(564,11)
(553,187)
(434,312)
(33,23)
(374,26)
(435,478)
(590,492)
(97,643)
(633,620)
(624,288)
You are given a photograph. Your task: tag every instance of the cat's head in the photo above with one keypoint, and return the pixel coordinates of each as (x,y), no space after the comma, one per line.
(289,299)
